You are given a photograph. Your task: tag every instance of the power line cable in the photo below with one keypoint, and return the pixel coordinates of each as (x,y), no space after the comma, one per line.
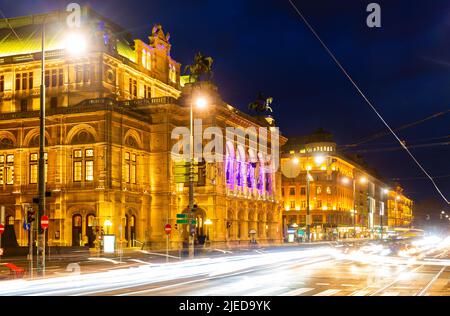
(382,134)
(367,100)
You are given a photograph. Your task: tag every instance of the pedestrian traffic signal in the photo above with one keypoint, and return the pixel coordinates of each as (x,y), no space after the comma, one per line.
(176,226)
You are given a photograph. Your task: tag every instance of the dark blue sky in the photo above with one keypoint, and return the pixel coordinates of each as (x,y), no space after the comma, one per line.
(404,67)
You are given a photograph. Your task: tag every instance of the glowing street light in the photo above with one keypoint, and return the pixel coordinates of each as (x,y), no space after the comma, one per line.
(385,191)
(319,159)
(76,44)
(345,180)
(201,102)
(363,180)
(295,161)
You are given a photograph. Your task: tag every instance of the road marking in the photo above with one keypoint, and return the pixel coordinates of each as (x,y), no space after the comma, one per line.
(427,287)
(390,294)
(323,284)
(347,285)
(327,292)
(297,292)
(265,291)
(360,293)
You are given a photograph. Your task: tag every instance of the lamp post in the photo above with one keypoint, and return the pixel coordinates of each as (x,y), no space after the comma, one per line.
(41,185)
(200,102)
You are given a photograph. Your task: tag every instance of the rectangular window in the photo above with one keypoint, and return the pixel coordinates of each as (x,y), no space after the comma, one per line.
(78,73)
(60,77)
(30,80)
(292,204)
(303,191)
(303,205)
(89,170)
(319,190)
(54,78)
(18,81)
(317,218)
(24,81)
(127,167)
(77,171)
(77,153)
(292,191)
(33,168)
(2,84)
(134,88)
(133,173)
(328,190)
(47,78)
(24,105)
(89,153)
(319,204)
(86,73)
(10,169)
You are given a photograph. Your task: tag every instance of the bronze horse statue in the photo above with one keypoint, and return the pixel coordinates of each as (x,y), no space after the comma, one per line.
(261,104)
(201,68)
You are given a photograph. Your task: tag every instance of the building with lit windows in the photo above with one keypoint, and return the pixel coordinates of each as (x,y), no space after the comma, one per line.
(400,209)
(110,114)
(346,198)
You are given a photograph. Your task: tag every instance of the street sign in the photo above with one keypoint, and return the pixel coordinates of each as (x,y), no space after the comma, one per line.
(2,229)
(44,222)
(168,229)
(181,215)
(26,226)
(193,221)
(182,221)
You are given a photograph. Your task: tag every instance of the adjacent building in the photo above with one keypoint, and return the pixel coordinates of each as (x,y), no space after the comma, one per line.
(345,197)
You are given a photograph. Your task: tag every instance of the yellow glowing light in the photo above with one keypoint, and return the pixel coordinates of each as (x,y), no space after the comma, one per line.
(345,180)
(208,222)
(323,168)
(108,223)
(295,161)
(308,168)
(363,180)
(201,103)
(319,159)
(76,44)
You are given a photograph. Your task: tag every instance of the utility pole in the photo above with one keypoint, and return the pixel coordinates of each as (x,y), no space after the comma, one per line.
(41,207)
(354,207)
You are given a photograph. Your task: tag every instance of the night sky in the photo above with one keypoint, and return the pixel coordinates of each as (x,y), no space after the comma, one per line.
(404,67)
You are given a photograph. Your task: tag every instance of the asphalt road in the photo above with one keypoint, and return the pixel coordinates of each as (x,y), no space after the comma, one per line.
(319,271)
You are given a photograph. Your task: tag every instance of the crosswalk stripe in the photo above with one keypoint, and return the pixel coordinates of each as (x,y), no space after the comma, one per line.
(266,291)
(297,291)
(360,293)
(390,294)
(327,292)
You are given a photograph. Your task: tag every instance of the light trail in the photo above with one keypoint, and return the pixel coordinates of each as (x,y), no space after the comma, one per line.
(146,275)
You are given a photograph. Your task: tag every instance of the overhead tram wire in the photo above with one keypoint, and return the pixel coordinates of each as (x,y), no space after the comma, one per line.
(382,134)
(367,100)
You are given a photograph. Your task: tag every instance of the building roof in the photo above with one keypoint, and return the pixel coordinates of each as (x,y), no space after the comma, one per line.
(22,35)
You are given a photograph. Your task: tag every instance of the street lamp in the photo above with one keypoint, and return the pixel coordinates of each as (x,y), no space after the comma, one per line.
(75,44)
(346,180)
(200,102)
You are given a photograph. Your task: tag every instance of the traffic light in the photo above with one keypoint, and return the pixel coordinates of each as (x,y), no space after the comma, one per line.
(176,226)
(30,216)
